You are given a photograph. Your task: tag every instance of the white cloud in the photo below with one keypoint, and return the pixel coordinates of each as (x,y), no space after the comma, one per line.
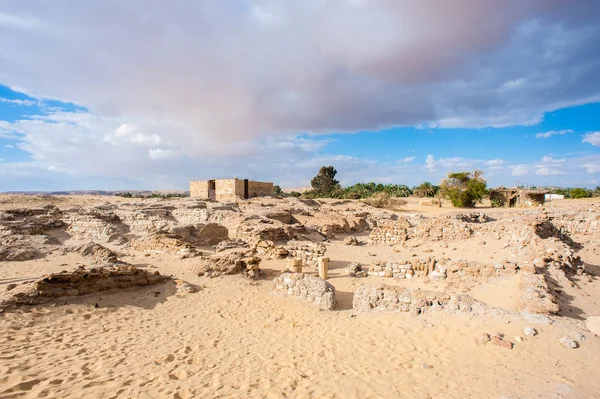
(157,154)
(18,21)
(132,134)
(459,163)
(593,138)
(519,170)
(406,160)
(360,66)
(9,146)
(542,170)
(552,133)
(549,159)
(26,103)
(183,96)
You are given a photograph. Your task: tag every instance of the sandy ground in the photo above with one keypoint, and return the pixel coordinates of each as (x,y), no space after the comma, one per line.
(235,339)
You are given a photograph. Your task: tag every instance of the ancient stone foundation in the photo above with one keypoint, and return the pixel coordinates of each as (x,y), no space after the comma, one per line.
(79,282)
(308,251)
(397,299)
(307,287)
(535,297)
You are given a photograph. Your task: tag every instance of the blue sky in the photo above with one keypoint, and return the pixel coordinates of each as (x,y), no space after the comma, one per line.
(394,92)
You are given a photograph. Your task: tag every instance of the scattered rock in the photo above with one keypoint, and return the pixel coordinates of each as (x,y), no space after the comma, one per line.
(356,270)
(530,332)
(568,342)
(483,338)
(351,240)
(498,341)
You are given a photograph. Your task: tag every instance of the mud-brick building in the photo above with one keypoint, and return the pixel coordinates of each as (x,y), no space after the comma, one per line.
(229,189)
(506,197)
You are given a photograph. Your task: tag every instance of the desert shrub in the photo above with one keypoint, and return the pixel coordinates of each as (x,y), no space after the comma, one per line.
(464,189)
(562,191)
(384,200)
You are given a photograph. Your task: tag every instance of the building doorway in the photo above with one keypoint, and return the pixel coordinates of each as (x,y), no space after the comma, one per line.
(212,190)
(245,188)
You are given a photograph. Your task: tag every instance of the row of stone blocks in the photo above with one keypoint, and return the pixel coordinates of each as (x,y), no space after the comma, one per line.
(395,299)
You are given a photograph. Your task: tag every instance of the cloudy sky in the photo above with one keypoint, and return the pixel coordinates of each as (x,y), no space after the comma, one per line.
(148,94)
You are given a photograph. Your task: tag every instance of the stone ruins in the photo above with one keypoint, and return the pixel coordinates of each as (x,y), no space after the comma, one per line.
(540,247)
(229,189)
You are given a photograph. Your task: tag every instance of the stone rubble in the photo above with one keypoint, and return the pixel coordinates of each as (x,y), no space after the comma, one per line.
(164,243)
(234,261)
(568,343)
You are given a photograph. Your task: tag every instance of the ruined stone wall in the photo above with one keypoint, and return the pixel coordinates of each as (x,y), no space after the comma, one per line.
(199,189)
(440,269)
(390,233)
(437,229)
(307,287)
(308,251)
(85,281)
(397,299)
(258,188)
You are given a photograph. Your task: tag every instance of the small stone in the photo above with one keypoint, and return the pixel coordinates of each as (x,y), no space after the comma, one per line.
(568,342)
(496,340)
(427,366)
(530,332)
(580,337)
(482,338)
(518,339)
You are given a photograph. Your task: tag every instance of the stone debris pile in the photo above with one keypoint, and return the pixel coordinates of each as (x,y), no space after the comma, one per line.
(356,270)
(164,243)
(97,253)
(351,240)
(234,261)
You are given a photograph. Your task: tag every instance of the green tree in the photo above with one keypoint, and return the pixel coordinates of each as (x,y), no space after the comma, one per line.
(580,193)
(464,189)
(324,183)
(277,190)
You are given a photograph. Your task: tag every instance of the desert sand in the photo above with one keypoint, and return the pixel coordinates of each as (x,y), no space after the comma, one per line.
(234,338)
